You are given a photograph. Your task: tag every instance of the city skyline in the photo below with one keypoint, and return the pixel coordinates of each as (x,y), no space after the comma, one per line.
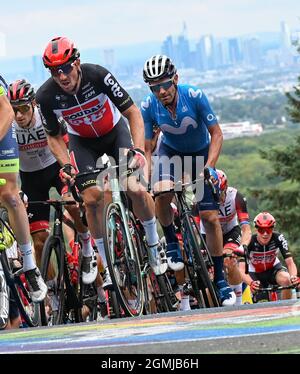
(98,24)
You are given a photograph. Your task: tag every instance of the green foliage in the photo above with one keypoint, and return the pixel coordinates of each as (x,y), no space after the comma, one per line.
(267,109)
(266,170)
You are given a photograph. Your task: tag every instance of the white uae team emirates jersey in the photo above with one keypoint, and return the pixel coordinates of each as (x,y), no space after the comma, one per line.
(34,151)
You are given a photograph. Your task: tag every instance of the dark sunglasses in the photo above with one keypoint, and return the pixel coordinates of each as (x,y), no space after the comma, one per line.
(21,108)
(165,85)
(62,69)
(262,230)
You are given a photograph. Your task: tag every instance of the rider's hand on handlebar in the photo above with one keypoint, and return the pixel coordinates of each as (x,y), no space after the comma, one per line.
(67,174)
(136,158)
(254,286)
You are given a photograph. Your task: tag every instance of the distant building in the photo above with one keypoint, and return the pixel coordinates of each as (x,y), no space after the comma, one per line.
(109,58)
(240,129)
(168,48)
(235,54)
(252,52)
(285,36)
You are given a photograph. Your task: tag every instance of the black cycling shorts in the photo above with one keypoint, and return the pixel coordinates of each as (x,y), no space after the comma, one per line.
(36,185)
(87,152)
(269,276)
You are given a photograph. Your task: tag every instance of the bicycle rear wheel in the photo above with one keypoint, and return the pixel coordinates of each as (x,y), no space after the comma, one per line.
(194,242)
(123,262)
(4,299)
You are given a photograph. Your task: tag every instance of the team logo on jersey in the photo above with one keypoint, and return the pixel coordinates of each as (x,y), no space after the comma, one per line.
(182,129)
(146,104)
(195,93)
(115,88)
(90,119)
(210,117)
(61,100)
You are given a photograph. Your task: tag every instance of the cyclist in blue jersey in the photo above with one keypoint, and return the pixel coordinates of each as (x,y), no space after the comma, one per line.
(184,116)
(10,199)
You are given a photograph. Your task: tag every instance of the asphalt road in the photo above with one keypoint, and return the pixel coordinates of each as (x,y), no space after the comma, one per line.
(260,328)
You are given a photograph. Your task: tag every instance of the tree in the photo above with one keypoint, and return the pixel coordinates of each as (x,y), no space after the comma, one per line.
(284,200)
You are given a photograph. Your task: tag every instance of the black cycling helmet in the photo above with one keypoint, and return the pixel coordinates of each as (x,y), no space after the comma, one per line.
(158,67)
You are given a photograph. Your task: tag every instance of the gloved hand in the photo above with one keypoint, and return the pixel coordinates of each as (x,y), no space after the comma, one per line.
(136,158)
(67,174)
(24,198)
(240,251)
(211,178)
(254,286)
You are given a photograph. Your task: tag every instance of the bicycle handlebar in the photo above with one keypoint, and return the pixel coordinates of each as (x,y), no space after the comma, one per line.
(280,288)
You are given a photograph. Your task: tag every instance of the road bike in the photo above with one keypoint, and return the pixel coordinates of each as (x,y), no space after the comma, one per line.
(13,283)
(197,259)
(68,298)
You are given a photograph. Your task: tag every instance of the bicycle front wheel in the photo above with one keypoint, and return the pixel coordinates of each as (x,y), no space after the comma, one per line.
(194,241)
(52,270)
(123,261)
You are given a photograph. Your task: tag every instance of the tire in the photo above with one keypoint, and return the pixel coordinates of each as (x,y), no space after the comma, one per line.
(205,283)
(4,299)
(124,266)
(52,271)
(157,293)
(168,293)
(113,305)
(17,283)
(88,296)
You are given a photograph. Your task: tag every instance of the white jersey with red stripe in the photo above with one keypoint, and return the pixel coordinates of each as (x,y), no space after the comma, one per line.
(34,152)
(232,212)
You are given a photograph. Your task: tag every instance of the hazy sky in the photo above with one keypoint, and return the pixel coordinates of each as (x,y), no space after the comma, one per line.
(29,25)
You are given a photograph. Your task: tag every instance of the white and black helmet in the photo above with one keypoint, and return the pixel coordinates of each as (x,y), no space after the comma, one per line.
(158,67)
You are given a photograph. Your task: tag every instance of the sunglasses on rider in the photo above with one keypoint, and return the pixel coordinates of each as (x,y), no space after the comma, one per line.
(165,85)
(21,108)
(62,69)
(262,230)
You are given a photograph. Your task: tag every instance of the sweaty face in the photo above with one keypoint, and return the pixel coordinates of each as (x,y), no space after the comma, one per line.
(165,90)
(68,78)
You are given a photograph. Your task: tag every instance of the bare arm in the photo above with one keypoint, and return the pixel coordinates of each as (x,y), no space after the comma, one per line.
(246,234)
(136,125)
(291,266)
(215,145)
(59,149)
(246,277)
(6,116)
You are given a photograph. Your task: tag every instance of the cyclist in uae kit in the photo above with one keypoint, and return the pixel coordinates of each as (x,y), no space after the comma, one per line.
(92,103)
(234,220)
(184,116)
(39,171)
(10,199)
(264,266)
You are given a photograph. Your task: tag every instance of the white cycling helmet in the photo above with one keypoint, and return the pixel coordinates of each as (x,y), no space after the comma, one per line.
(158,67)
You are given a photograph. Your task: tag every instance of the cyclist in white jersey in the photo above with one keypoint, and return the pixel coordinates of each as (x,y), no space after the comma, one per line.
(234,220)
(10,199)
(39,171)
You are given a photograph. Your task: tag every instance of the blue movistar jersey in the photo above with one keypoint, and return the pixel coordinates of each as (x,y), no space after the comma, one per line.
(188,131)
